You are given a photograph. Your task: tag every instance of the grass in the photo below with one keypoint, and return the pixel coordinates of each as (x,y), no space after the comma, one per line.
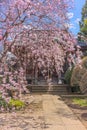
(81,102)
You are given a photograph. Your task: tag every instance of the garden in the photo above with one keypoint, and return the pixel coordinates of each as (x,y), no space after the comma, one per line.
(37,43)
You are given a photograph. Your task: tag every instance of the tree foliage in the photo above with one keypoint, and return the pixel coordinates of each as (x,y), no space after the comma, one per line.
(79,76)
(83,23)
(19,22)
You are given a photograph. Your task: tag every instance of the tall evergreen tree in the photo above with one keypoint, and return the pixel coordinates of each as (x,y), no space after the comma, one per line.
(83,23)
(84,11)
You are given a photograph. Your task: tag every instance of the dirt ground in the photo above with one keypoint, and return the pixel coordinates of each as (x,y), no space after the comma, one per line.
(30,118)
(80,112)
(33,117)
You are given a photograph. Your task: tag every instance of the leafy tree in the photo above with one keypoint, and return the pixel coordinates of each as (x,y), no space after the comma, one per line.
(83,24)
(84,28)
(84,11)
(18,21)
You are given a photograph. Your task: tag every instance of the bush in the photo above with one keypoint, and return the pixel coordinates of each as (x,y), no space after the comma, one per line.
(16,103)
(80,102)
(0,79)
(83,83)
(68,75)
(3,103)
(84,62)
(13,103)
(77,74)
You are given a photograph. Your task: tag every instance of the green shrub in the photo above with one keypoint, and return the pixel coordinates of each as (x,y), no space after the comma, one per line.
(83,83)
(80,102)
(76,89)
(3,103)
(84,62)
(68,75)
(77,74)
(12,103)
(0,79)
(16,103)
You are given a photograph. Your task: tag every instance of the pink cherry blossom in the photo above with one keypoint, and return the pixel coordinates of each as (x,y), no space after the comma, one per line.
(34,31)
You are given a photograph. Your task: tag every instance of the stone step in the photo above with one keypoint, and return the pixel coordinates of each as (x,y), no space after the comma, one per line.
(60,89)
(50,88)
(58,86)
(47,87)
(50,92)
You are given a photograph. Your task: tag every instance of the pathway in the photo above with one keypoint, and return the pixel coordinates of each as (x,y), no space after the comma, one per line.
(49,113)
(58,116)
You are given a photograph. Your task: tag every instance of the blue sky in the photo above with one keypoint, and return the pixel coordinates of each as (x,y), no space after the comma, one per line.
(75,15)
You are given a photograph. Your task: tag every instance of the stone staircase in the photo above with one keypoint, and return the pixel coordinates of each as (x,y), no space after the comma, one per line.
(60,89)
